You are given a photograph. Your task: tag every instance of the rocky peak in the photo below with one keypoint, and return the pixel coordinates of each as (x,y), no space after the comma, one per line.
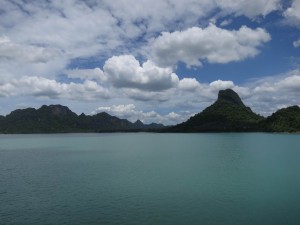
(229,96)
(139,123)
(56,109)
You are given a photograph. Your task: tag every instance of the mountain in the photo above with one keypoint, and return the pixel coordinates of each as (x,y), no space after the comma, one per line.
(227,114)
(138,123)
(152,126)
(60,119)
(284,120)
(47,119)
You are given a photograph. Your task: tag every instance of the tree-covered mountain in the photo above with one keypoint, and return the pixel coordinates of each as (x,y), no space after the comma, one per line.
(229,114)
(60,119)
(284,120)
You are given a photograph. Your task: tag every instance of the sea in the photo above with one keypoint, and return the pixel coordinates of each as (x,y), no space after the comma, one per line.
(150,179)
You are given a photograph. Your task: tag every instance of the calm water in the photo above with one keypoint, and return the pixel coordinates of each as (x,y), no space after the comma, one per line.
(151,179)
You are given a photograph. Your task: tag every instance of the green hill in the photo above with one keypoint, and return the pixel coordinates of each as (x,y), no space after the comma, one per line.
(227,114)
(284,120)
(60,119)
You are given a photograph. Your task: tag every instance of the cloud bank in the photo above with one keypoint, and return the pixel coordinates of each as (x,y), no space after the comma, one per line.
(123,57)
(264,95)
(212,44)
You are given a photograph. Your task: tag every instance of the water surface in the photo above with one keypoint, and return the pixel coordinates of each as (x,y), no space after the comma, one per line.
(145,178)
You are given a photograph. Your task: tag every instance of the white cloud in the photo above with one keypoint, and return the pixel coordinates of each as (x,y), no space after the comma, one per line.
(221,85)
(66,30)
(188,84)
(266,95)
(296,44)
(126,72)
(71,26)
(147,96)
(44,40)
(291,83)
(17,60)
(51,89)
(149,17)
(80,29)
(25,53)
(248,8)
(83,74)
(279,84)
(292,14)
(214,44)
(39,40)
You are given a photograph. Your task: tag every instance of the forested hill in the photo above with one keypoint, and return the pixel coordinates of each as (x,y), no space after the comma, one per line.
(229,114)
(60,119)
(284,120)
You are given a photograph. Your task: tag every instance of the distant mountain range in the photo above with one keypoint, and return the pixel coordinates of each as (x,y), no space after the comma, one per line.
(60,119)
(227,114)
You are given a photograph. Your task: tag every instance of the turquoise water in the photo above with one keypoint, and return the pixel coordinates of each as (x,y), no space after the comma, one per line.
(145,178)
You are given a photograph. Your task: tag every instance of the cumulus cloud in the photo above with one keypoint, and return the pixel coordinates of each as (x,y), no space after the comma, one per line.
(126,72)
(221,85)
(84,74)
(40,31)
(25,53)
(41,40)
(47,88)
(266,95)
(292,14)
(188,84)
(289,83)
(86,28)
(148,96)
(26,59)
(251,8)
(212,44)
(149,17)
(71,26)
(42,37)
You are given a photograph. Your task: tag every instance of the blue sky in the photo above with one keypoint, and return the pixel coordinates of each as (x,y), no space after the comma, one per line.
(158,61)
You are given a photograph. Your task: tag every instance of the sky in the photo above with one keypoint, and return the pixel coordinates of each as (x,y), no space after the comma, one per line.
(155,60)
